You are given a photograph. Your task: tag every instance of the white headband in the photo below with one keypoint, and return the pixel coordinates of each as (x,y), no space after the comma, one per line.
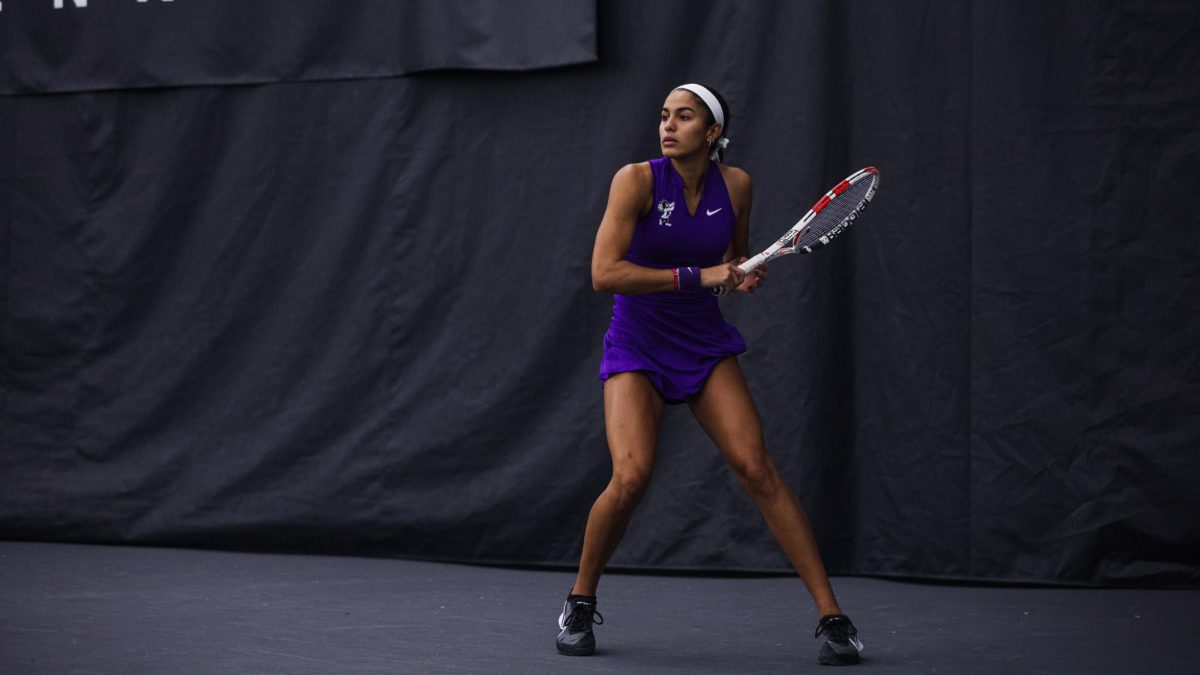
(709,100)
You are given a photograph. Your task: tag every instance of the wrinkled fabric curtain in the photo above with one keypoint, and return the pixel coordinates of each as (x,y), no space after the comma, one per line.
(352,313)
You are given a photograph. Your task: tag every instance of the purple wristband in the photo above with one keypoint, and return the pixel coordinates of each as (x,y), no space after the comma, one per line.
(689,278)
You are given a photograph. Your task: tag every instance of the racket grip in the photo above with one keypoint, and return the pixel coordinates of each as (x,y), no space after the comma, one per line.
(747,267)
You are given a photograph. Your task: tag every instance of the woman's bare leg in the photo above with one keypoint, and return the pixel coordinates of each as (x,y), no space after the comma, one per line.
(726,412)
(632,412)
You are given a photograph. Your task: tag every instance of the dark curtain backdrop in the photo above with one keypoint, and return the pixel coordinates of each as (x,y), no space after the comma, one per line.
(126,44)
(354,314)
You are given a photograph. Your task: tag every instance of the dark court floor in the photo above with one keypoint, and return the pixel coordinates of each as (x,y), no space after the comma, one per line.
(97,609)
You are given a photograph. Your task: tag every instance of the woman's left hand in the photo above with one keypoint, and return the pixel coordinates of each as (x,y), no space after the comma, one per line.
(754,280)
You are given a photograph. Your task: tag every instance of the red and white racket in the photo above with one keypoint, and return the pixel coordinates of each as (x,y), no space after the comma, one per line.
(831,215)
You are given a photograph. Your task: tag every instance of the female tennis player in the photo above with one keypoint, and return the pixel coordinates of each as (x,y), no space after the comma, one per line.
(674,229)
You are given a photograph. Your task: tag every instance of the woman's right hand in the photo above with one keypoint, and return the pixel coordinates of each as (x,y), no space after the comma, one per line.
(728,275)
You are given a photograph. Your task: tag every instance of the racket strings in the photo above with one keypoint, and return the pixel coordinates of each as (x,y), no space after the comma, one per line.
(835,212)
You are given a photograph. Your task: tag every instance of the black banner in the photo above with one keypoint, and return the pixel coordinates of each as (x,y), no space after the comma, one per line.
(80,45)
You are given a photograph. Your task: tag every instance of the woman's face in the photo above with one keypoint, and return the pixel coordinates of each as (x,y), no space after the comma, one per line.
(684,127)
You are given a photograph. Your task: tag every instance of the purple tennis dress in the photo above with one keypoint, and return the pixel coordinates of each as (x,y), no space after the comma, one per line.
(675,338)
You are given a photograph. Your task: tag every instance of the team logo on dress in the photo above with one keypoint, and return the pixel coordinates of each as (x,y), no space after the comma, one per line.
(665,208)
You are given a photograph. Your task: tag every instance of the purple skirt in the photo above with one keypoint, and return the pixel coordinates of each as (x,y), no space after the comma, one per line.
(675,339)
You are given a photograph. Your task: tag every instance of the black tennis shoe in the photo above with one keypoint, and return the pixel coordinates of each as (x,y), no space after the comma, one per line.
(578,615)
(841,646)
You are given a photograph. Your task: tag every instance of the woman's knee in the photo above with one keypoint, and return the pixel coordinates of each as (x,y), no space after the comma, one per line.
(627,487)
(758,477)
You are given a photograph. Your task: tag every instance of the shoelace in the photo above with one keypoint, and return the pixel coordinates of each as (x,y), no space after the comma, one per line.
(838,628)
(583,615)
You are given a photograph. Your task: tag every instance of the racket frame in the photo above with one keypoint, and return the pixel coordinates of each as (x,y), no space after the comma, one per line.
(786,244)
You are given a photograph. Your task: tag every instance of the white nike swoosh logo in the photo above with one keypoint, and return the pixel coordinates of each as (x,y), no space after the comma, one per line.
(712,212)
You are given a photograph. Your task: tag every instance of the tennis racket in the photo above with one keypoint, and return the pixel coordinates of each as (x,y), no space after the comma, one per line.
(828,218)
